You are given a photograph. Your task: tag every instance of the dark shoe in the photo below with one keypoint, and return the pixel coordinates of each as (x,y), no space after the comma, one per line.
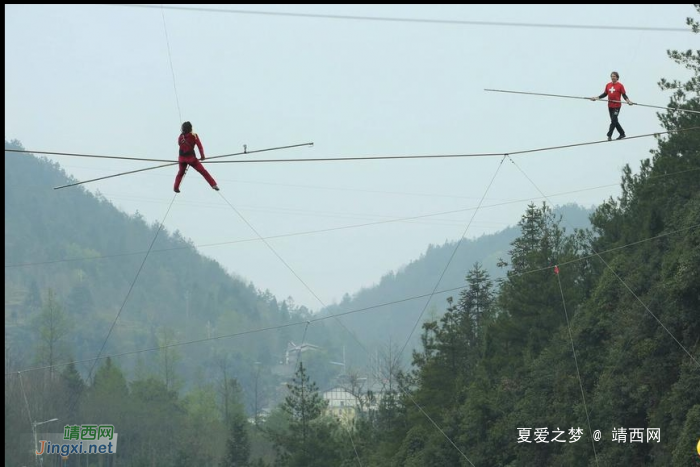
(621,137)
(609,138)
(176,190)
(216,187)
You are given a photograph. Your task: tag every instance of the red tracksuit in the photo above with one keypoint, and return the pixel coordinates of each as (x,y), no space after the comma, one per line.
(187,143)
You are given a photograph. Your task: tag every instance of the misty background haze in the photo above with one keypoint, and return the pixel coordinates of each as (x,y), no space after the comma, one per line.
(119,80)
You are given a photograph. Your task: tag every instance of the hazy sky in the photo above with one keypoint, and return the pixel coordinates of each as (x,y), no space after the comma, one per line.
(119,80)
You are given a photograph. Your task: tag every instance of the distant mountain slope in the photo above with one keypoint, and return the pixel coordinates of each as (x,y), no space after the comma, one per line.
(88,252)
(379,325)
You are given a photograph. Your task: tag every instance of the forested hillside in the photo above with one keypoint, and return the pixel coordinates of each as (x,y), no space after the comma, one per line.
(92,256)
(582,349)
(404,294)
(593,331)
(84,279)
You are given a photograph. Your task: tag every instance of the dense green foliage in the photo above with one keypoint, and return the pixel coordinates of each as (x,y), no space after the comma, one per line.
(70,261)
(581,330)
(610,342)
(389,309)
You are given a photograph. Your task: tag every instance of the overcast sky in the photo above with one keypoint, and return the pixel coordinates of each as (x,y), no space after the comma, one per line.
(356,81)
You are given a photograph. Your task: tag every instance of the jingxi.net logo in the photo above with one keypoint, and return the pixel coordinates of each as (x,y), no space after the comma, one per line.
(78,439)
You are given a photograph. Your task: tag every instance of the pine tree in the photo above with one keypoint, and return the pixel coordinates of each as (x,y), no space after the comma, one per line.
(309,439)
(53,326)
(71,387)
(237,443)
(303,404)
(530,295)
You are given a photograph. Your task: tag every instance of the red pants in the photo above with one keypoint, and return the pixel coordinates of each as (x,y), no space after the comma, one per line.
(194,162)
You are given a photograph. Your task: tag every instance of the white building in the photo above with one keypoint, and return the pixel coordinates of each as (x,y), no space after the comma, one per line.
(341,404)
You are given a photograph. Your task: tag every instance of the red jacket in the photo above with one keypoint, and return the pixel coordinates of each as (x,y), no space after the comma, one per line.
(187,142)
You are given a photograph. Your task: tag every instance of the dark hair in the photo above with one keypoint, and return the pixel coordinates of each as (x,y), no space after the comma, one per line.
(616,74)
(187,127)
